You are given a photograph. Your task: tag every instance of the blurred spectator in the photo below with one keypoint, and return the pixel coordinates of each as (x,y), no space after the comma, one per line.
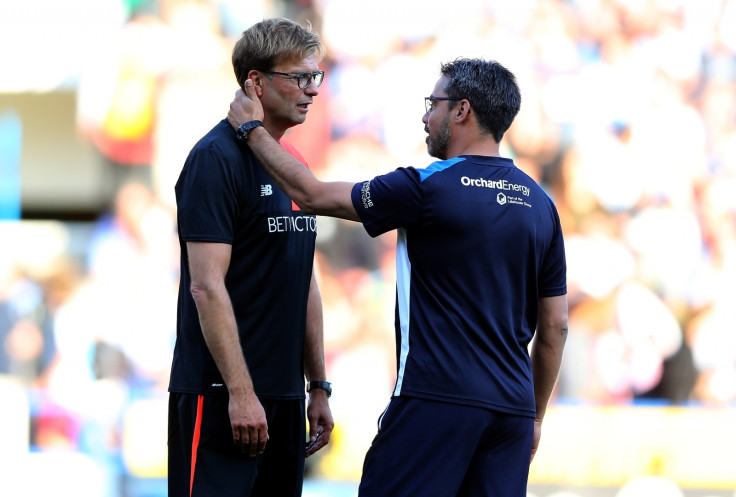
(132,266)
(21,338)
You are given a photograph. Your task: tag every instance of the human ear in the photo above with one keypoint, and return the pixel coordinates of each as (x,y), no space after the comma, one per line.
(257,78)
(463,111)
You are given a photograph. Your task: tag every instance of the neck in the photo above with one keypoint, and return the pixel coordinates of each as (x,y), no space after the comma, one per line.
(276,132)
(480,145)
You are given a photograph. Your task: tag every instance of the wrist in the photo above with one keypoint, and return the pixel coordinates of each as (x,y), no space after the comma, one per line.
(245,128)
(325,386)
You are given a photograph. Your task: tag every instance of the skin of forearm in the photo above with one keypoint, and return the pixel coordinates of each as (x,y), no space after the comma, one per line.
(218,325)
(285,170)
(311,195)
(546,361)
(314,362)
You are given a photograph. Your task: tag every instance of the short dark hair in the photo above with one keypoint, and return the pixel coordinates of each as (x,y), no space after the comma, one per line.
(491,90)
(271,42)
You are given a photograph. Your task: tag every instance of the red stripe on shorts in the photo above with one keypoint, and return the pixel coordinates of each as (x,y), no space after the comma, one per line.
(195,440)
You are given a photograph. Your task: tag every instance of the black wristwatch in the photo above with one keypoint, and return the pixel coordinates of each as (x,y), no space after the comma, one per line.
(322,385)
(244,129)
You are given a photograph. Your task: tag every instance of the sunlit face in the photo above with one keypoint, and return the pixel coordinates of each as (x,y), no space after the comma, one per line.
(284,103)
(437,123)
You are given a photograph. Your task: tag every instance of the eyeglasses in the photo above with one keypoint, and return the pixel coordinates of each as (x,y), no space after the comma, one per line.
(303,79)
(429,102)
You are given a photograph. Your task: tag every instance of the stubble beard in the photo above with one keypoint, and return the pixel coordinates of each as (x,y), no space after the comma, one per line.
(438,144)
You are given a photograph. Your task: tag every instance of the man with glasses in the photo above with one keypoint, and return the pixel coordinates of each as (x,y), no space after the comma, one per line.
(480,272)
(249,317)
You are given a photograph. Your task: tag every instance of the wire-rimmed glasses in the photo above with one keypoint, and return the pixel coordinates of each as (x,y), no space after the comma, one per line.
(429,105)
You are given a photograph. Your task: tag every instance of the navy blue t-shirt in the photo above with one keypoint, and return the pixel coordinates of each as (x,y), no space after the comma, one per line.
(224,196)
(479,243)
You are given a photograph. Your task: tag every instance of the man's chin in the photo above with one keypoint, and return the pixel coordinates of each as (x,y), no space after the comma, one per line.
(435,153)
(296,121)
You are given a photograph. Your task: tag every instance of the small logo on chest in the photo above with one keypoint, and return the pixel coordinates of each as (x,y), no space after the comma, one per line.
(266,190)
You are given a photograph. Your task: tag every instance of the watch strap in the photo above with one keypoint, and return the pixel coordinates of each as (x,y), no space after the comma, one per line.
(245,128)
(322,385)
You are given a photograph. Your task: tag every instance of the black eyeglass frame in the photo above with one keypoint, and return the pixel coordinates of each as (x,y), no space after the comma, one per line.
(317,76)
(428,106)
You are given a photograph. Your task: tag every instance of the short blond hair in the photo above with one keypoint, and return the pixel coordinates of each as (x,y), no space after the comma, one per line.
(274,41)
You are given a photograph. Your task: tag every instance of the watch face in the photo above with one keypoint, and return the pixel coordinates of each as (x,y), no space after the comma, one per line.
(241,132)
(244,129)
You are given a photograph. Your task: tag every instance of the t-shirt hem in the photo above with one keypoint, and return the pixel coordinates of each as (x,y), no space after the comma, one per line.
(469,402)
(223,391)
(553,293)
(206,238)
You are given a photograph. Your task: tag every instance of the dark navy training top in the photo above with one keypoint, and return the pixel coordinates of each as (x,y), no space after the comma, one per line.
(479,242)
(224,196)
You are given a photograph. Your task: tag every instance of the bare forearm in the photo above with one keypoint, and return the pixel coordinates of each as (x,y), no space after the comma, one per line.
(220,332)
(314,357)
(547,349)
(311,195)
(318,408)
(546,361)
(288,173)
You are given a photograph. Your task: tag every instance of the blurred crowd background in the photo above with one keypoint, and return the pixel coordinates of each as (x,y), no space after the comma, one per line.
(628,120)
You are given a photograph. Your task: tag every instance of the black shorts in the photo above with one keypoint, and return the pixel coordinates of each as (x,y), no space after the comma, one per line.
(204,462)
(447,450)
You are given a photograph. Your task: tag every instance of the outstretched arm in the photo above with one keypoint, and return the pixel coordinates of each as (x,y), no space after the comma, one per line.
(547,355)
(311,195)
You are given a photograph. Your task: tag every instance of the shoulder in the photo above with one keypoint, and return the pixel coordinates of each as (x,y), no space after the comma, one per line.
(219,139)
(437,167)
(219,147)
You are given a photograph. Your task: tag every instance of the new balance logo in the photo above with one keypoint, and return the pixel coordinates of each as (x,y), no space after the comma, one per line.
(266,190)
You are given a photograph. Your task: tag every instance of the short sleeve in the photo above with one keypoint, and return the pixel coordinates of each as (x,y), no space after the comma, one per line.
(207,198)
(389,201)
(553,274)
